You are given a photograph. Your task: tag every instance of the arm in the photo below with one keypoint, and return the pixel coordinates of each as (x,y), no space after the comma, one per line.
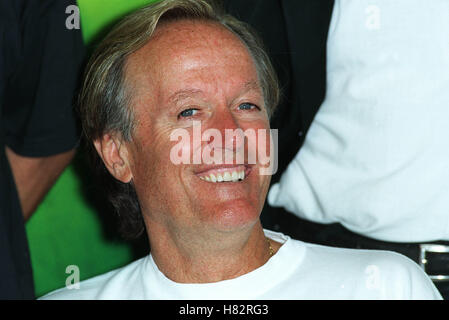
(35,176)
(38,122)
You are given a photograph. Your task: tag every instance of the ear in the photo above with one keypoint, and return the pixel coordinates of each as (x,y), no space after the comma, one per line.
(114,154)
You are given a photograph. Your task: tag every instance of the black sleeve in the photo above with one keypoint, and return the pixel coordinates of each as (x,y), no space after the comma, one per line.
(38,116)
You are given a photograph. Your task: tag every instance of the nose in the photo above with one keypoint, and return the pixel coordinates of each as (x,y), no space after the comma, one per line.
(231,136)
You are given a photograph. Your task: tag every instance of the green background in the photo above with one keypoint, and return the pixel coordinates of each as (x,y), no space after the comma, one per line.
(70,227)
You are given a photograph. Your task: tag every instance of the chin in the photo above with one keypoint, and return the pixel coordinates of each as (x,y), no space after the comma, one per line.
(239,215)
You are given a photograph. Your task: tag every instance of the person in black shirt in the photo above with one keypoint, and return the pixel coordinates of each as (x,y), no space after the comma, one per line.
(40,61)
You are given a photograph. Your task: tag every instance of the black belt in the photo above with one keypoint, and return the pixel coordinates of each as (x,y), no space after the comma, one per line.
(432,257)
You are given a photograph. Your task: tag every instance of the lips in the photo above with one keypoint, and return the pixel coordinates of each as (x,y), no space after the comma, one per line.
(219,174)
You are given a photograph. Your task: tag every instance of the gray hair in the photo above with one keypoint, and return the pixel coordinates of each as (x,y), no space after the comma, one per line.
(104,98)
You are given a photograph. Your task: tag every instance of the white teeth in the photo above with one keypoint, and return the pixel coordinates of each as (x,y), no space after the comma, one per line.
(225,177)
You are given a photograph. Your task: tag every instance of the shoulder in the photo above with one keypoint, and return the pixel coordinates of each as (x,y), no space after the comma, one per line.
(111,285)
(372,273)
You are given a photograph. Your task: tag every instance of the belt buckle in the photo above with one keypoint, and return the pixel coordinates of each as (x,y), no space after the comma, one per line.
(434,248)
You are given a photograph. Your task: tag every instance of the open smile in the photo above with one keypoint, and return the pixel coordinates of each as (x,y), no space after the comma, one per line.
(219,174)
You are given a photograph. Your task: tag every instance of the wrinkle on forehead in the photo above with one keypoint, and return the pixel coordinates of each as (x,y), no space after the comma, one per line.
(178,38)
(183,44)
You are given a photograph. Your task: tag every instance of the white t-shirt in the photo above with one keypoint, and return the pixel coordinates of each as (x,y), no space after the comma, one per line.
(376,157)
(297,271)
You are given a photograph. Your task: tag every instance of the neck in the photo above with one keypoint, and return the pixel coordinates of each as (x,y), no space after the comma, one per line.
(192,257)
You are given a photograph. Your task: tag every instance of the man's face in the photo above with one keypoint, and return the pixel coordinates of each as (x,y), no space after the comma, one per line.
(198,72)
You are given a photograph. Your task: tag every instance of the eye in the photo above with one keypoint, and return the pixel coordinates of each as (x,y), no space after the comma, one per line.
(187,113)
(248,106)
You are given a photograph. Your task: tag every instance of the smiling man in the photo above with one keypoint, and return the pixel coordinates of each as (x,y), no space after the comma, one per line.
(176,65)
(194,225)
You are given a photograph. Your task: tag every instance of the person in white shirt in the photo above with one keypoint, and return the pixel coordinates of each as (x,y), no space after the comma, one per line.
(375,159)
(298,270)
(173,67)
(377,145)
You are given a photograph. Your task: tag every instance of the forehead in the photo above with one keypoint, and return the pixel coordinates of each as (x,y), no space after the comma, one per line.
(196,51)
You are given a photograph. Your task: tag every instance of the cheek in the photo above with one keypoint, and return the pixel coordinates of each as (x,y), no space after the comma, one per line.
(267,151)
(259,144)
(184,146)
(261,147)
(153,146)
(151,165)
(157,184)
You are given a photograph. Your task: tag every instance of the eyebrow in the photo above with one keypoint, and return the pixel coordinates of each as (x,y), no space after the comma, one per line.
(251,85)
(183,94)
(187,93)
